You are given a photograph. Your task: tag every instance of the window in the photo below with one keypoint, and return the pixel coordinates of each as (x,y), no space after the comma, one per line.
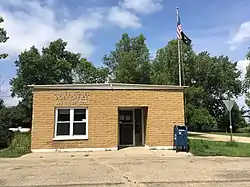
(71,123)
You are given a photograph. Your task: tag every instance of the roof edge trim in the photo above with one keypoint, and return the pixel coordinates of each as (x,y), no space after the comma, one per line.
(106,86)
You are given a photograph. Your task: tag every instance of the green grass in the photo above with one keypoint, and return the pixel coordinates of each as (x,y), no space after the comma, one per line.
(243,134)
(214,148)
(20,145)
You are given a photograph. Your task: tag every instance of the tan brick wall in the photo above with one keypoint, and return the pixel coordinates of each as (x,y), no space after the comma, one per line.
(164,109)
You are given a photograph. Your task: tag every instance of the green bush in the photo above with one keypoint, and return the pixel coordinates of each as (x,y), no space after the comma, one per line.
(244,130)
(19,146)
(21,142)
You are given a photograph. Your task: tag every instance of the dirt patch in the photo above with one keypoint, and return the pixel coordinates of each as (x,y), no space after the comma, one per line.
(216,137)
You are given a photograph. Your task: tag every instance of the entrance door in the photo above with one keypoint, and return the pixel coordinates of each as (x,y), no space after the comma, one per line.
(131,127)
(126,127)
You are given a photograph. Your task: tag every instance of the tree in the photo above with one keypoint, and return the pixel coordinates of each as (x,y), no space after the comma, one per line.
(210,79)
(198,117)
(53,65)
(247,86)
(1,103)
(130,61)
(3,38)
(238,120)
(165,68)
(86,72)
(248,55)
(1,100)
(12,117)
(220,78)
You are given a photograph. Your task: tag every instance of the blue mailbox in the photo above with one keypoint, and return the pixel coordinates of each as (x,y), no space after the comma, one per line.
(181,138)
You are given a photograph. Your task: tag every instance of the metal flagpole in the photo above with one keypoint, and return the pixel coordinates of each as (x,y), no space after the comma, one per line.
(179,52)
(182,65)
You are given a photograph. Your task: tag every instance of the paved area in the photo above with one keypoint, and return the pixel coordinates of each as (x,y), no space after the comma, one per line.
(217,137)
(127,167)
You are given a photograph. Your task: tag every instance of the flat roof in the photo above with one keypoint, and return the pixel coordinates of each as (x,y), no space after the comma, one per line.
(107,86)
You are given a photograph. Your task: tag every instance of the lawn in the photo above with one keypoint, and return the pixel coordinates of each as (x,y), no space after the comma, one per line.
(243,134)
(20,145)
(213,148)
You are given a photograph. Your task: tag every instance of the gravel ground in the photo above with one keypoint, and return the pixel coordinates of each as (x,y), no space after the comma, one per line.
(217,137)
(128,167)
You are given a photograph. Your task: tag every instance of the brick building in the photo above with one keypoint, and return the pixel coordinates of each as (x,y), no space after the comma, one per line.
(88,117)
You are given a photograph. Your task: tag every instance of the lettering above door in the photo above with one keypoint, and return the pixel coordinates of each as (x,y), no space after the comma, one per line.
(71,98)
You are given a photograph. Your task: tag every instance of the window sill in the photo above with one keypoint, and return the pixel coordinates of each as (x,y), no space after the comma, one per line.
(71,138)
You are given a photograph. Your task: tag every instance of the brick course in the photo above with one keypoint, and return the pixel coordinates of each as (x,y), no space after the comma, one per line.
(165,108)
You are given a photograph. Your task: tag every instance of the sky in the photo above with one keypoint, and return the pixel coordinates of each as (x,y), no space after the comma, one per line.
(92,27)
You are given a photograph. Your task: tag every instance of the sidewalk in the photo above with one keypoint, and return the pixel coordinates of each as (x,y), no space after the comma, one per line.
(132,152)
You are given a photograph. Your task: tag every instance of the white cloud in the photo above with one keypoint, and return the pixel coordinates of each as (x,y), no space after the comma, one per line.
(242,66)
(123,18)
(5,94)
(32,23)
(142,6)
(124,15)
(241,101)
(37,23)
(241,35)
(9,101)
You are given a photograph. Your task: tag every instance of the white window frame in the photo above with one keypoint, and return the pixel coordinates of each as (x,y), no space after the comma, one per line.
(71,136)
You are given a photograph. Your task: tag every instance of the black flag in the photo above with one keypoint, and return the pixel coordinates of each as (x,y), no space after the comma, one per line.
(185,39)
(180,33)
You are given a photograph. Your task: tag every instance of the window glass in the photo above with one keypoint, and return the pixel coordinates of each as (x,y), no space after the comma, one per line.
(63,115)
(62,129)
(79,128)
(128,118)
(71,122)
(79,114)
(121,117)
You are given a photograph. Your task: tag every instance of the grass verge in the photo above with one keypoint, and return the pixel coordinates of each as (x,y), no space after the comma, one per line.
(214,148)
(20,145)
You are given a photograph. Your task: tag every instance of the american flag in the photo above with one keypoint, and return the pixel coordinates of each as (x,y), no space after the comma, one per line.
(180,33)
(179,27)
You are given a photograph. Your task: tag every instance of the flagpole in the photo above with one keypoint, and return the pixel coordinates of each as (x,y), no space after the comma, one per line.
(182,65)
(179,52)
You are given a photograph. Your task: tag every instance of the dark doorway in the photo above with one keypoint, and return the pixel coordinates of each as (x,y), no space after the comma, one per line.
(131,127)
(126,129)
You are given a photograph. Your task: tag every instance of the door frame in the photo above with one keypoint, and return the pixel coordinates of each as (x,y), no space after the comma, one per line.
(142,124)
